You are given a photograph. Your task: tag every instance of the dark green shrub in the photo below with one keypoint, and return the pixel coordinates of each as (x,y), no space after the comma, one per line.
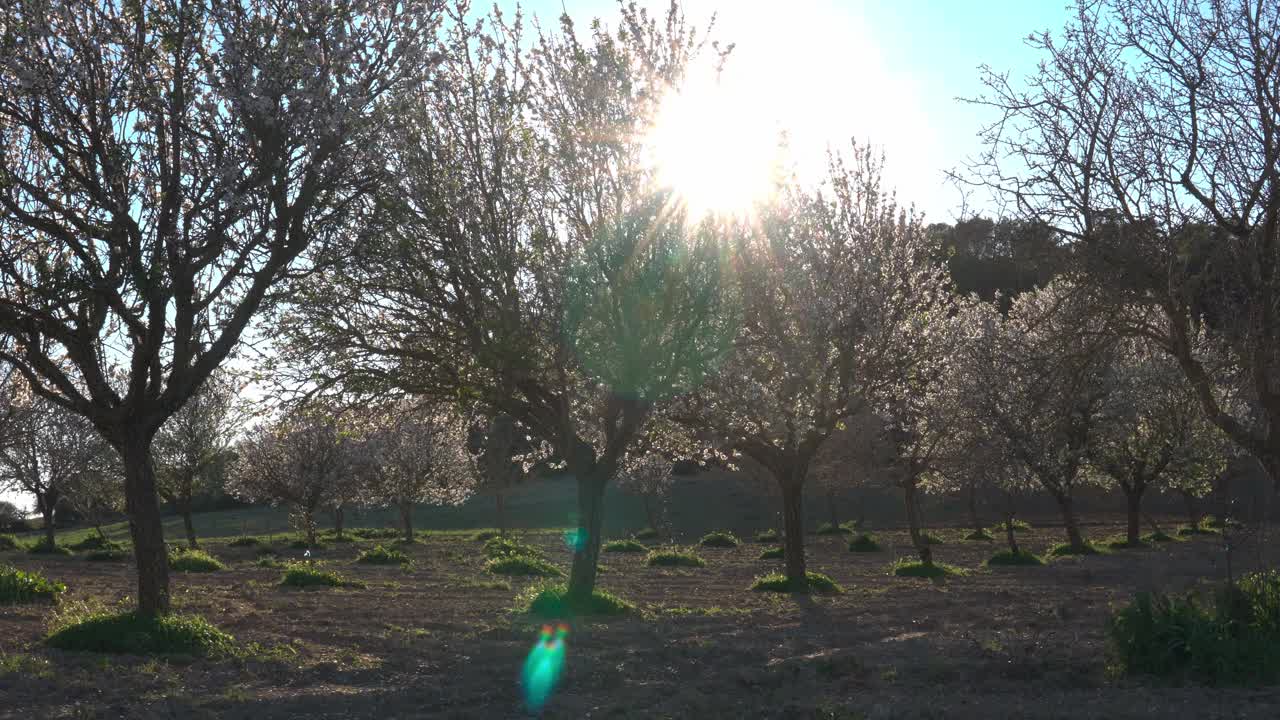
(647,534)
(624,546)
(504,547)
(483,535)
(379,555)
(673,557)
(194,561)
(245,541)
(815,583)
(1022,557)
(21,586)
(552,602)
(1064,549)
(829,529)
(979,536)
(915,568)
(774,554)
(767,536)
(304,575)
(111,552)
(8,542)
(864,542)
(135,634)
(1233,640)
(44,548)
(719,539)
(522,565)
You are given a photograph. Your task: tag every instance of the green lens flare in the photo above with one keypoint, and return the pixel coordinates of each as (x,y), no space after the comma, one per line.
(543,667)
(576,539)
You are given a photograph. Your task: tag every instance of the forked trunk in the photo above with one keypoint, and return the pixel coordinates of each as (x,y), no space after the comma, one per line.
(586,551)
(143,509)
(913,523)
(793,531)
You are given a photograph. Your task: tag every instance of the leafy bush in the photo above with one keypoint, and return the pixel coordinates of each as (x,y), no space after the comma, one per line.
(8,542)
(624,546)
(673,557)
(483,535)
(504,547)
(1234,640)
(1022,557)
(552,602)
(136,634)
(44,548)
(303,575)
(188,560)
(647,534)
(21,586)
(815,583)
(89,542)
(111,552)
(523,565)
(979,536)
(774,554)
(829,529)
(379,555)
(719,539)
(767,536)
(1064,549)
(864,542)
(915,568)
(245,541)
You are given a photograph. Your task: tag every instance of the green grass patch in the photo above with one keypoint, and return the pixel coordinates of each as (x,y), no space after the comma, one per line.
(246,541)
(673,557)
(1018,526)
(8,542)
(485,535)
(1159,536)
(647,534)
(1065,549)
(269,561)
(1192,530)
(370,533)
(624,546)
(829,529)
(111,552)
(552,602)
(305,575)
(44,548)
(302,544)
(917,569)
(979,536)
(199,561)
(89,542)
(814,583)
(1009,557)
(776,553)
(1121,542)
(133,634)
(506,547)
(864,542)
(767,536)
(22,586)
(379,555)
(719,539)
(1233,639)
(523,565)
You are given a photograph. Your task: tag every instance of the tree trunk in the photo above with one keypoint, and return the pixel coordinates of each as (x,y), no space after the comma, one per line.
(793,531)
(1190,501)
(1133,503)
(97,526)
(831,507)
(500,500)
(973,509)
(913,522)
(648,511)
(406,520)
(309,525)
(339,514)
(46,511)
(189,526)
(1074,538)
(586,551)
(143,508)
(1010,536)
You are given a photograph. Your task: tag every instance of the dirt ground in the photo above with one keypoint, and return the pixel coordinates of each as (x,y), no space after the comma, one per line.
(441,641)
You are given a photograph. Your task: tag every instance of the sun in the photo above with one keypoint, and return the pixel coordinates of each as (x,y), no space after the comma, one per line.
(715,151)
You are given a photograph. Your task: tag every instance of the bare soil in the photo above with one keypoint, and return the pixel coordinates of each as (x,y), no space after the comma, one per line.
(441,641)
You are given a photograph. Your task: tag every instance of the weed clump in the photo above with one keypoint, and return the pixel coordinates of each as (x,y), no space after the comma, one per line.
(827,528)
(647,534)
(767,536)
(814,583)
(484,535)
(90,542)
(624,546)
(135,634)
(111,552)
(379,555)
(1233,640)
(504,547)
(673,557)
(1022,557)
(44,548)
(1065,549)
(979,536)
(523,565)
(21,586)
(719,539)
(8,542)
(915,568)
(245,541)
(864,542)
(188,560)
(553,602)
(773,554)
(1159,536)
(1018,526)
(304,575)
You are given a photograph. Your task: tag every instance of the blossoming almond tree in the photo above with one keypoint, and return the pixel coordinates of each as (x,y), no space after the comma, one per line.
(163,167)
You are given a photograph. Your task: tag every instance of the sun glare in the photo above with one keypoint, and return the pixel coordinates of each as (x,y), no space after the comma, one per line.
(715,151)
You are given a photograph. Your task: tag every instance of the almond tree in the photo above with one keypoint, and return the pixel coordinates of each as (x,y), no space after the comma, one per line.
(837,288)
(648,476)
(163,167)
(1149,136)
(524,258)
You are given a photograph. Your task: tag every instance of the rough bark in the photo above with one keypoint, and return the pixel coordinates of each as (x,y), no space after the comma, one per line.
(142,505)
(586,553)
(909,490)
(974,520)
(500,501)
(793,531)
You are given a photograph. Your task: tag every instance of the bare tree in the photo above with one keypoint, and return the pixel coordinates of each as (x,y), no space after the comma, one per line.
(163,166)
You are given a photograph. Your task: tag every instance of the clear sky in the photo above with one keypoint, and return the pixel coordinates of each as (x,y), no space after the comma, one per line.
(886,72)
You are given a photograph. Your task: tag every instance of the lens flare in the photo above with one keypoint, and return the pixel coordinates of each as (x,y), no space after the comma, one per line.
(575,539)
(543,666)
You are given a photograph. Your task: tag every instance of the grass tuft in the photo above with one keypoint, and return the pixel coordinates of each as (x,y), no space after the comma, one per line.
(979,536)
(245,541)
(673,557)
(523,565)
(552,602)
(485,535)
(829,529)
(44,548)
(1065,549)
(304,575)
(915,568)
(22,586)
(767,536)
(647,534)
(1018,526)
(719,539)
(89,542)
(1159,536)
(187,560)
(504,547)
(624,546)
(814,583)
(1022,557)
(111,552)
(1121,542)
(379,555)
(864,542)
(134,634)
(8,542)
(776,553)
